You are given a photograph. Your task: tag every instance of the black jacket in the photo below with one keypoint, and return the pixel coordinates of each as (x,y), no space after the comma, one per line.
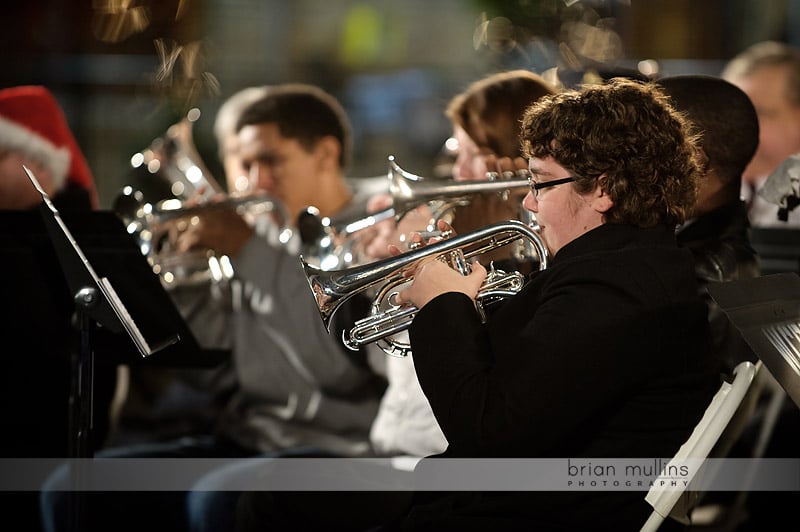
(602,355)
(720,244)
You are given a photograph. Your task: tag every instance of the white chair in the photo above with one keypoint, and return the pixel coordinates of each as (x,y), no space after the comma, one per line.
(703,438)
(729,516)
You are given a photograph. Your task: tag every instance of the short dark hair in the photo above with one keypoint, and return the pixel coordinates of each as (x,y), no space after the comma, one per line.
(302,112)
(725,118)
(628,133)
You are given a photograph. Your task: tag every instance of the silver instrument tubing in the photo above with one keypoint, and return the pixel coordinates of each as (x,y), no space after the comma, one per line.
(333,245)
(332,288)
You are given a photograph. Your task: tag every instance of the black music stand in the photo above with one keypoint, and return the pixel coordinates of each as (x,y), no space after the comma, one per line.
(85,266)
(96,305)
(766,311)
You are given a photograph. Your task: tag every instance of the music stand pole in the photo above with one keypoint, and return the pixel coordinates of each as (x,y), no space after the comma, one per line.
(81,403)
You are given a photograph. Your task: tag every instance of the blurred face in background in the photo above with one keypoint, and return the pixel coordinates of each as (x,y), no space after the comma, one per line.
(282,168)
(470,163)
(778,120)
(235,174)
(16,190)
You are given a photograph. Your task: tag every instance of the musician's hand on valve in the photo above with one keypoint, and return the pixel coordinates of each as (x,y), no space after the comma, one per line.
(504,167)
(433,278)
(415,240)
(488,208)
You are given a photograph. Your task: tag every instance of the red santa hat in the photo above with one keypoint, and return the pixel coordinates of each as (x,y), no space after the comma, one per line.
(32,122)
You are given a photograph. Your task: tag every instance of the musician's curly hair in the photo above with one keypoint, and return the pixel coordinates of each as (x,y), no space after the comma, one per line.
(625,136)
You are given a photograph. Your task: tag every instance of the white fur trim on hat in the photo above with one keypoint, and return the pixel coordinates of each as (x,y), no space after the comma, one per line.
(19,138)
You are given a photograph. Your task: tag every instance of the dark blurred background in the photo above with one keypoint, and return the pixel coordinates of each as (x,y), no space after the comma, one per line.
(125,70)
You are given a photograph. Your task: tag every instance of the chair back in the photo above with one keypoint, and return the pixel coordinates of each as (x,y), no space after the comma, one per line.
(663,496)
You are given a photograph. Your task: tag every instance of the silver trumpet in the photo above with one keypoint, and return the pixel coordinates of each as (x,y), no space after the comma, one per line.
(409,191)
(386,318)
(332,243)
(155,224)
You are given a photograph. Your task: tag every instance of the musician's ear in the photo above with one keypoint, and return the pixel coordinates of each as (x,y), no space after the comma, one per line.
(328,149)
(601,199)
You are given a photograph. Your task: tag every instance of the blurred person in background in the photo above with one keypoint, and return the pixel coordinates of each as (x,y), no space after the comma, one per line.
(486,119)
(717,235)
(227,139)
(34,132)
(717,231)
(160,403)
(39,337)
(769,73)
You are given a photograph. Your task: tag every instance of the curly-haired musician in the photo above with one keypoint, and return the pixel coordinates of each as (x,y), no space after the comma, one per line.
(601,355)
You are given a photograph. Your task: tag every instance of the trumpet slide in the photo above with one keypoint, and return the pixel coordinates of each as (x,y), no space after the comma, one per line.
(332,288)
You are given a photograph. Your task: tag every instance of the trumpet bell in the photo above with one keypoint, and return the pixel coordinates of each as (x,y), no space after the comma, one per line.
(173,160)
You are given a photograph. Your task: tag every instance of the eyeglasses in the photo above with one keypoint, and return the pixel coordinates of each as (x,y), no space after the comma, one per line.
(536,187)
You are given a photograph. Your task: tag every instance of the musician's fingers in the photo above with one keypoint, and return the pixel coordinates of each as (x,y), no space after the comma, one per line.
(476,278)
(478,270)
(445,227)
(379,202)
(186,241)
(490,160)
(400,298)
(415,240)
(506,167)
